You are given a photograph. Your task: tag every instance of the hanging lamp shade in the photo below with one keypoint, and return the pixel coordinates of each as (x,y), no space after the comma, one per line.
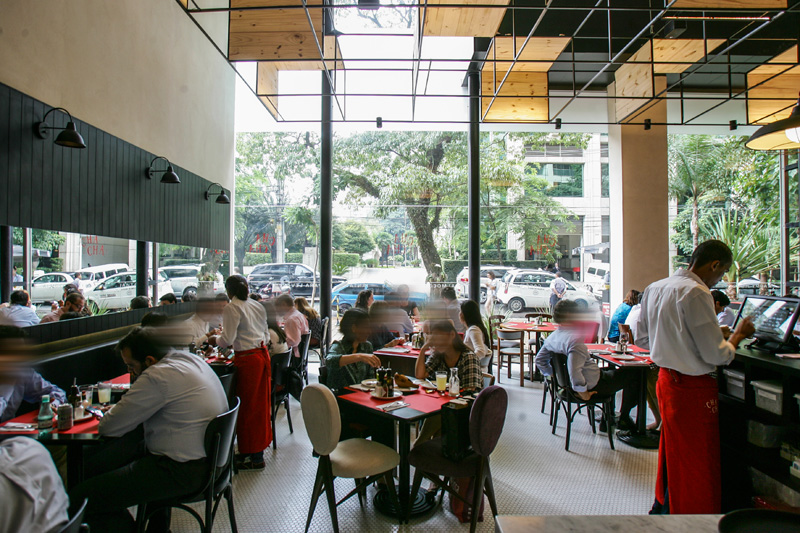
(70,137)
(782,134)
(170,176)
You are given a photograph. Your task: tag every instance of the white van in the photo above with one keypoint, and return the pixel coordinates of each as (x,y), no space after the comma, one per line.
(595,276)
(91,276)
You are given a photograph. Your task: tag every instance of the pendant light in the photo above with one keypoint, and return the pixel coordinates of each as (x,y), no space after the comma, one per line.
(782,134)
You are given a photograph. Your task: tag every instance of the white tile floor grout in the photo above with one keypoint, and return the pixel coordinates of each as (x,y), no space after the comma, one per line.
(533,475)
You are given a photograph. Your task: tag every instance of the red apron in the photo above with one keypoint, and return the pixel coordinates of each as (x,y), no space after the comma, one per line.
(254,388)
(688,454)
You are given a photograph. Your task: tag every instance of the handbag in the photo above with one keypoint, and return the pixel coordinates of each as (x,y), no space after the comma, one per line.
(456,443)
(464,487)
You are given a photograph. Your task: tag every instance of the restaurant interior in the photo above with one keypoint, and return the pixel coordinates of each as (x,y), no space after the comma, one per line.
(118,136)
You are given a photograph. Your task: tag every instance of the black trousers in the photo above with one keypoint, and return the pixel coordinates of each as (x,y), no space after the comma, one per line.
(625,379)
(122,474)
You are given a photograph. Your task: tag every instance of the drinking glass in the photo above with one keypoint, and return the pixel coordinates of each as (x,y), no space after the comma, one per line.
(441,381)
(104,392)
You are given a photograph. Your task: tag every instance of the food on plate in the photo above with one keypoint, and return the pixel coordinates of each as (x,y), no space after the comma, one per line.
(403,381)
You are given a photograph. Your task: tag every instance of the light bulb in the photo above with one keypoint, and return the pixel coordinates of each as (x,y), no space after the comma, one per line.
(793,134)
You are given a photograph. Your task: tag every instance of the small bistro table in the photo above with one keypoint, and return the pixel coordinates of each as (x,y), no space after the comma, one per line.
(529,328)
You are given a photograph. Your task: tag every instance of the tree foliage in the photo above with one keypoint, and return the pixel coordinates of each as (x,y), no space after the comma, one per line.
(40,238)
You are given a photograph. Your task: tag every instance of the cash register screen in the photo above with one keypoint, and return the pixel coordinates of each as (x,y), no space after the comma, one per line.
(773,318)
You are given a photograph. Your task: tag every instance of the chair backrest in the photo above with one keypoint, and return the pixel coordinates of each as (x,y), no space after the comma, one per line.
(323,345)
(75,523)
(280,368)
(560,371)
(508,335)
(227,376)
(321,417)
(323,375)
(626,329)
(541,315)
(305,340)
(218,440)
(488,380)
(590,331)
(487,419)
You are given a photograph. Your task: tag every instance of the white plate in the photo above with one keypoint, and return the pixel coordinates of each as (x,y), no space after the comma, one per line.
(406,390)
(85,418)
(623,357)
(369,383)
(397,394)
(428,385)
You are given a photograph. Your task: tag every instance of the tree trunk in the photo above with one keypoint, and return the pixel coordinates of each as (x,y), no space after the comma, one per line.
(763,285)
(427,246)
(695,224)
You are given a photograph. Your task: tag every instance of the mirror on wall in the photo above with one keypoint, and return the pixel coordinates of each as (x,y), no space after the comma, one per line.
(102,270)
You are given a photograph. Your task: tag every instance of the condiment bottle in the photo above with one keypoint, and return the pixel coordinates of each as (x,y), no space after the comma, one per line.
(389,382)
(64,416)
(74,397)
(44,421)
(455,384)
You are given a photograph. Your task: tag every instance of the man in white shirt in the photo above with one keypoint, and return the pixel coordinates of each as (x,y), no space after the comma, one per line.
(74,303)
(19,313)
(295,323)
(725,316)
(397,319)
(173,397)
(198,329)
(558,288)
(32,496)
(679,326)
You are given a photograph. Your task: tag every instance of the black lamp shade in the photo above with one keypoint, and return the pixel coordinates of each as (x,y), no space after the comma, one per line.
(170,176)
(782,134)
(223,198)
(70,137)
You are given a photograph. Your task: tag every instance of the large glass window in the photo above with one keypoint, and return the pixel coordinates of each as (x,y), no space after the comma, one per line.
(564,179)
(604,180)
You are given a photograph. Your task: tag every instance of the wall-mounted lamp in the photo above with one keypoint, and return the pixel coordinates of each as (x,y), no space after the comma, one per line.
(69,135)
(782,134)
(222,198)
(558,123)
(733,125)
(648,123)
(170,176)
(379,122)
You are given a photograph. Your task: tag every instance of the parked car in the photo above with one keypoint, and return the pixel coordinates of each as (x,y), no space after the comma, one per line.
(346,293)
(49,287)
(595,276)
(183,279)
(117,291)
(531,288)
(751,287)
(462,280)
(298,277)
(91,276)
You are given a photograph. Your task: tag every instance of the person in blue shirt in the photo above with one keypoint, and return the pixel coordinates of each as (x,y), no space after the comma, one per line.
(19,313)
(25,384)
(586,378)
(621,314)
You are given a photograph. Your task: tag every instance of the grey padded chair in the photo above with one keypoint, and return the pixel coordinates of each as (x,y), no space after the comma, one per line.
(360,459)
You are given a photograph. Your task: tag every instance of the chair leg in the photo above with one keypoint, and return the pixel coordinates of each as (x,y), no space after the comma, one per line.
(569,425)
(609,408)
(521,364)
(556,409)
(274,436)
(590,413)
(231,513)
(393,495)
(330,492)
(552,388)
(288,415)
(209,521)
(508,366)
(361,491)
(141,518)
(544,398)
(490,489)
(414,490)
(477,494)
(315,494)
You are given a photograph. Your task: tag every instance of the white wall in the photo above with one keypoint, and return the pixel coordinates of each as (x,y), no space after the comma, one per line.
(140,70)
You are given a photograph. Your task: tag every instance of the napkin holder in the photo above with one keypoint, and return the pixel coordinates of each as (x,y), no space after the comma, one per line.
(456,444)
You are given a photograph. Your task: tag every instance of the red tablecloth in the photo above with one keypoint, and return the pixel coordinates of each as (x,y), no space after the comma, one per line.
(425,403)
(530,326)
(414,353)
(635,350)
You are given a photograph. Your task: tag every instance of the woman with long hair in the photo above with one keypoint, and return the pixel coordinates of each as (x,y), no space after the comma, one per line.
(381,337)
(476,338)
(244,324)
(276,342)
(447,351)
(364,300)
(314,321)
(350,359)
(621,314)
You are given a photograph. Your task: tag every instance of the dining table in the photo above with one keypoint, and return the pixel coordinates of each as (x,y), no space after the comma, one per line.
(530,328)
(637,358)
(81,434)
(421,405)
(401,358)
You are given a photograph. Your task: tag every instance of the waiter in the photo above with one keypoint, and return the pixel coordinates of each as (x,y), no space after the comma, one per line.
(244,323)
(679,326)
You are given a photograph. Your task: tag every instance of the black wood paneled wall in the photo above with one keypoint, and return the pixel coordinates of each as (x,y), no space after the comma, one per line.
(100,190)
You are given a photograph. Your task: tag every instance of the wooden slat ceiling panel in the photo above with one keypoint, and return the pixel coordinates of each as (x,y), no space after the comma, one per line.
(462,22)
(634,80)
(781,90)
(731,4)
(538,49)
(668,51)
(267,83)
(274,34)
(523,109)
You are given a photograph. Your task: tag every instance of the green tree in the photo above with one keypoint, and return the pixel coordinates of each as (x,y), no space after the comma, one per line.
(357,239)
(42,239)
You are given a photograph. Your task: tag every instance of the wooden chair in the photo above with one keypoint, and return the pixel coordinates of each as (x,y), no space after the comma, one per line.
(488,380)
(495,344)
(518,350)
(540,314)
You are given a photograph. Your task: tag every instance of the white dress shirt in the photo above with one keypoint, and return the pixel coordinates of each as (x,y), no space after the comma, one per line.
(32,496)
(175,399)
(584,374)
(244,325)
(295,324)
(633,318)
(18,315)
(726,318)
(197,329)
(679,326)
(398,320)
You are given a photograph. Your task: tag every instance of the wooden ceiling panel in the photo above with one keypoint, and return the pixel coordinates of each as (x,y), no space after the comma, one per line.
(267,83)
(506,108)
(462,22)
(633,80)
(780,91)
(545,49)
(275,34)
(731,4)
(668,52)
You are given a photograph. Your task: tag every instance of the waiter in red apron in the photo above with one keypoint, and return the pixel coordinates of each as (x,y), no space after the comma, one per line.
(679,326)
(244,323)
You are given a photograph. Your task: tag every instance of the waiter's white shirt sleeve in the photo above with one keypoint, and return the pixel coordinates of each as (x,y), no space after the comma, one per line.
(244,325)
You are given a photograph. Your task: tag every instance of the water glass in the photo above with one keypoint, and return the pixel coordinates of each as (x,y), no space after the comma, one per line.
(104,392)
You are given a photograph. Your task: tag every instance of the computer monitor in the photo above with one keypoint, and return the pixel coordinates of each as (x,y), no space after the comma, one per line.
(774,318)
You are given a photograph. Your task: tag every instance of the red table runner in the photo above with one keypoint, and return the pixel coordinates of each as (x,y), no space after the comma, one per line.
(425,403)
(413,353)
(530,326)
(635,350)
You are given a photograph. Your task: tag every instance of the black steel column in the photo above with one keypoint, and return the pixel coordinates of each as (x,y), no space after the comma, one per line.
(142,268)
(326,203)
(6,263)
(474,202)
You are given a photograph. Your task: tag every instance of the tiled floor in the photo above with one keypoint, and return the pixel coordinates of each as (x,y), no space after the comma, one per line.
(533,475)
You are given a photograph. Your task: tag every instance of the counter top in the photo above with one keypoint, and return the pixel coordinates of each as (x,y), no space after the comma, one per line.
(608,524)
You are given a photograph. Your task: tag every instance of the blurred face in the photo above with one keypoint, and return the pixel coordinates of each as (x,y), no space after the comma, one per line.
(76,307)
(370,301)
(136,367)
(362,330)
(441,341)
